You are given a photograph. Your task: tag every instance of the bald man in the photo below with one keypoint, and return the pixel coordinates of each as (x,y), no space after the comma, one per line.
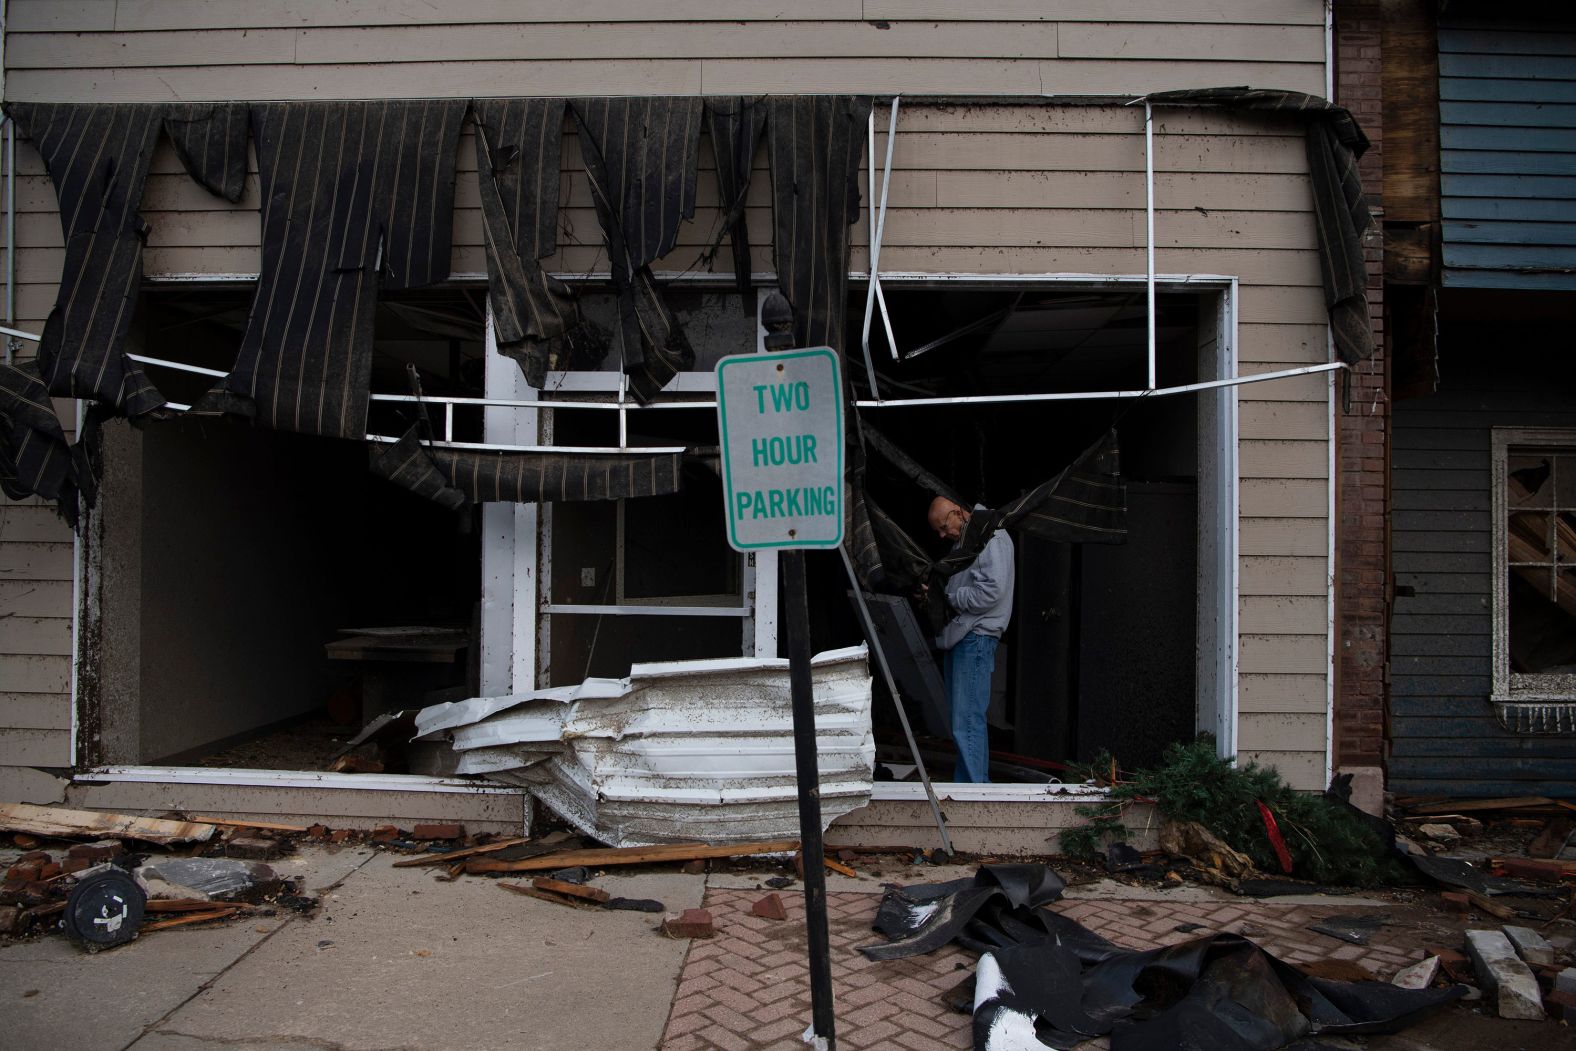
(981,595)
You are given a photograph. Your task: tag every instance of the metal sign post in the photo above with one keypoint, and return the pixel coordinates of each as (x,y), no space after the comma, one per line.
(780,418)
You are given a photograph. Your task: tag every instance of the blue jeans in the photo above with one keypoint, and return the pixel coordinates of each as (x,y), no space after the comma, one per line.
(969,666)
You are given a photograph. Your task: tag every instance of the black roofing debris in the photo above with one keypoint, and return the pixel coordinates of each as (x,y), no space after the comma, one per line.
(1046,980)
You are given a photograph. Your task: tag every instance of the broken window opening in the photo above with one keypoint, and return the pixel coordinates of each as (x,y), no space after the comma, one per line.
(264,596)
(1106,649)
(1535,536)
(1104,652)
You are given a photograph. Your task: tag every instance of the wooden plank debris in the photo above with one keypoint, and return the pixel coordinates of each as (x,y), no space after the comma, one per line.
(68,824)
(194,917)
(1461,806)
(612,856)
(463,852)
(266,826)
(571,890)
(839,868)
(542,895)
(192,905)
(1552,871)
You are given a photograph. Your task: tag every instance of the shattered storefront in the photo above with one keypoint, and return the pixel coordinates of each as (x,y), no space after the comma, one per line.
(431,492)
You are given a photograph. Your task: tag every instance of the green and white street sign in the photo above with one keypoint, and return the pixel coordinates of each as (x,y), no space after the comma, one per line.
(780,416)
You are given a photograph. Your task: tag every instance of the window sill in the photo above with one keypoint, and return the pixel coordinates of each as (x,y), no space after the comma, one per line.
(1530,713)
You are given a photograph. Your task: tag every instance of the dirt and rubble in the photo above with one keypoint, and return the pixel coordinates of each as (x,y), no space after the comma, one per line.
(231,873)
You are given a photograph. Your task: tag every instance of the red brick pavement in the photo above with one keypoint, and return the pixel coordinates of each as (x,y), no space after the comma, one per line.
(747,988)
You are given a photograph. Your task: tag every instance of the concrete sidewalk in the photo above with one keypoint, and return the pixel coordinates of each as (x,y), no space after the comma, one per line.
(397,960)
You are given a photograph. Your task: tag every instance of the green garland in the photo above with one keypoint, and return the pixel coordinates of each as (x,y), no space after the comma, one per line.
(1327,842)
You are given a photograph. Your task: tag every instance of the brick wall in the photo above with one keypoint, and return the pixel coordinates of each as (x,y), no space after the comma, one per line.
(1363,432)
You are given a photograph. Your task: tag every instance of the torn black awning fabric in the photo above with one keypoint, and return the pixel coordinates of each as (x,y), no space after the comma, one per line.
(1334,143)
(1045,980)
(358,197)
(735,126)
(814,143)
(454,477)
(641,157)
(536,318)
(1085,503)
(35,459)
(98,158)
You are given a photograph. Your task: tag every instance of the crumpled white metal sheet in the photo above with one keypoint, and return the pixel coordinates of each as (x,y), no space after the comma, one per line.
(682,751)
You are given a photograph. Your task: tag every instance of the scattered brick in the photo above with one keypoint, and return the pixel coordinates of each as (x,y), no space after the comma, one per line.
(11,920)
(693,923)
(697,867)
(339,835)
(318,832)
(35,857)
(1456,901)
(23,871)
(1561,1005)
(770,908)
(75,864)
(49,871)
(442,830)
(1455,963)
(25,841)
(384,834)
(251,847)
(95,853)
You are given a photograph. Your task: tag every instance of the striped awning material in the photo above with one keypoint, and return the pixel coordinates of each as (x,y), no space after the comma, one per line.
(736,126)
(641,158)
(814,146)
(358,197)
(815,143)
(457,477)
(536,318)
(1334,142)
(98,158)
(35,459)
(1085,503)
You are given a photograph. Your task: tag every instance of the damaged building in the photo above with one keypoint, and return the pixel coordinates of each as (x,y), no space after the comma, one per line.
(361,386)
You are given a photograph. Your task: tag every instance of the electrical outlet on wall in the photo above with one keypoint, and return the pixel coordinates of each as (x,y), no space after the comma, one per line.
(588,576)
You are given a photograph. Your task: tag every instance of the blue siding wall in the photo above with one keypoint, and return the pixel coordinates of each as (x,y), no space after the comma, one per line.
(1444,737)
(1507,135)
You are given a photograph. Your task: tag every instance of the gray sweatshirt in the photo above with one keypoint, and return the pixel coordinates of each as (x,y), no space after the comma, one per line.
(982,593)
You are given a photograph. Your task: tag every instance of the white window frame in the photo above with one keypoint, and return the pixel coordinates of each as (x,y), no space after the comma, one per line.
(1517,687)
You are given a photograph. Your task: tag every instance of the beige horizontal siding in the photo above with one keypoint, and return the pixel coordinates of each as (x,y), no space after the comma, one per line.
(1279,731)
(1283,536)
(1283,614)
(1019,189)
(34,673)
(31,747)
(1286,419)
(1281,692)
(34,711)
(69,51)
(1300,768)
(144,15)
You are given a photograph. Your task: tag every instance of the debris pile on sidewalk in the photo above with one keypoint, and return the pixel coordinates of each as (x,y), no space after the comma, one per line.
(93,876)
